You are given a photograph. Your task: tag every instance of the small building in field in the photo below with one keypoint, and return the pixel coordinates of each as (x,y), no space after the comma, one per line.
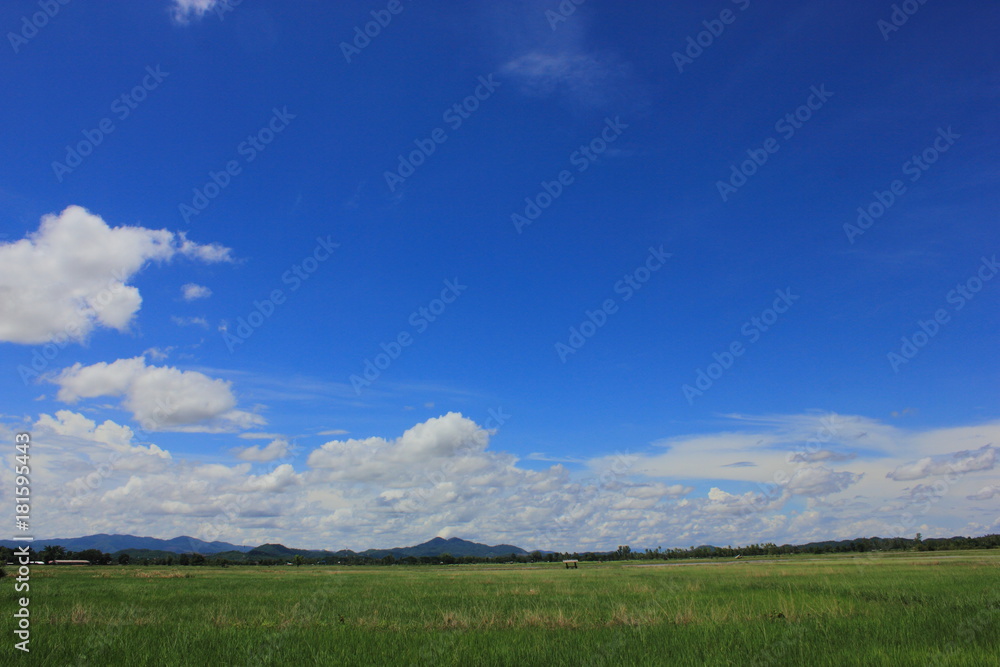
(571,564)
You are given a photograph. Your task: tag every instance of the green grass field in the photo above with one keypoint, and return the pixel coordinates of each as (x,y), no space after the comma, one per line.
(902,609)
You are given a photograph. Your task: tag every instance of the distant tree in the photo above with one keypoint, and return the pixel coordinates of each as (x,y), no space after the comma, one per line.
(51,552)
(95,556)
(184,559)
(298,560)
(624,552)
(123,559)
(197,559)
(388,559)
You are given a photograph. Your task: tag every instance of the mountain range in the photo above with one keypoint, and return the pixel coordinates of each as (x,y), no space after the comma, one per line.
(144,546)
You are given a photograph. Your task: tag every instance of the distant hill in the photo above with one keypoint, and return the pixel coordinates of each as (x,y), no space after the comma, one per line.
(115,543)
(151,547)
(454,546)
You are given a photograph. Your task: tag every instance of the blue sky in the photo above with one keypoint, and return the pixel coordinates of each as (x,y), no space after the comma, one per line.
(651,314)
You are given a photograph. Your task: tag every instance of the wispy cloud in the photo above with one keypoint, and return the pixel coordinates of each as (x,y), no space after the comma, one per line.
(592,79)
(563,64)
(184,10)
(961,462)
(190,321)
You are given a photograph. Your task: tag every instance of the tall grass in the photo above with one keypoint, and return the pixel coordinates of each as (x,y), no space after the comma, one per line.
(830,611)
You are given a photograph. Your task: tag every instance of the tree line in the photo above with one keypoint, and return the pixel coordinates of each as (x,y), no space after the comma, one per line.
(51,553)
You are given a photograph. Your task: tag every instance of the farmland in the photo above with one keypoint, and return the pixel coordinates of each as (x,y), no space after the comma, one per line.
(887,609)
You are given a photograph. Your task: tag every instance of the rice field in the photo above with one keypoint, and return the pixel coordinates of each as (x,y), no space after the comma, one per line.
(900,609)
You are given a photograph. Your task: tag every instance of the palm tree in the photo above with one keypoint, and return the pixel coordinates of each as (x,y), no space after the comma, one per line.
(53,552)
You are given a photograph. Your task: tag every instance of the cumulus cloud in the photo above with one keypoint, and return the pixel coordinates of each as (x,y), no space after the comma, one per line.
(160,398)
(193,292)
(276,449)
(371,459)
(72,275)
(961,462)
(142,489)
(443,476)
(115,436)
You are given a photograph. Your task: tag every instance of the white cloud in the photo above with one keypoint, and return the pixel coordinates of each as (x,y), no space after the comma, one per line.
(334,431)
(159,354)
(160,398)
(820,455)
(820,481)
(184,10)
(192,292)
(442,477)
(190,321)
(276,449)
(560,63)
(71,276)
(961,462)
(986,493)
(376,458)
(115,436)
(588,78)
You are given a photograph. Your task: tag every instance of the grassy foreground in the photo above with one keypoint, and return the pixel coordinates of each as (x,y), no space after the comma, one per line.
(910,609)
